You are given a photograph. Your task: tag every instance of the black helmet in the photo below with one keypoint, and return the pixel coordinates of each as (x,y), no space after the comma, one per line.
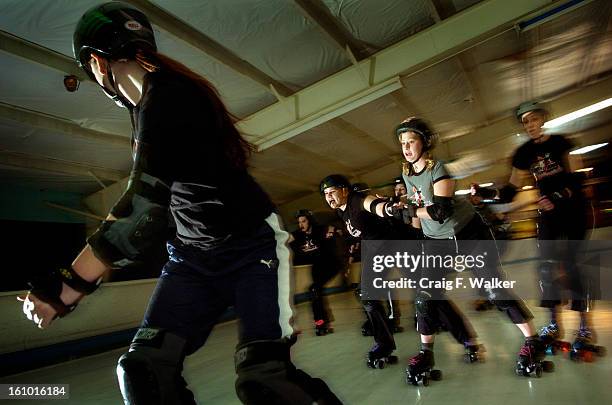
(529,106)
(360,187)
(303,213)
(420,127)
(113,30)
(334,180)
(399,180)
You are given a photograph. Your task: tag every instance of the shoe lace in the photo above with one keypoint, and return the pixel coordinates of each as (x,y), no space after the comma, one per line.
(416,359)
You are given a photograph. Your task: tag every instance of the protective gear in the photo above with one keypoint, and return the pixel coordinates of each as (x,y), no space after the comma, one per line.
(529,106)
(114,30)
(150,372)
(421,128)
(375,202)
(334,180)
(360,187)
(399,180)
(267,376)
(441,209)
(483,192)
(421,303)
(142,223)
(404,214)
(48,289)
(507,193)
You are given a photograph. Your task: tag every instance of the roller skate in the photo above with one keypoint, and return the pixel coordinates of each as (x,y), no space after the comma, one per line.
(583,348)
(366,328)
(378,357)
(474,353)
(420,368)
(323,328)
(549,335)
(531,359)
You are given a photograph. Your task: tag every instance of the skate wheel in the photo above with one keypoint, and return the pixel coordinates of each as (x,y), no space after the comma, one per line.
(370,364)
(548,366)
(538,371)
(380,364)
(425,380)
(436,375)
(587,357)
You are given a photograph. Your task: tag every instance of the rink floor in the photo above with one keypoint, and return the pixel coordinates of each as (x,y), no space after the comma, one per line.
(339,359)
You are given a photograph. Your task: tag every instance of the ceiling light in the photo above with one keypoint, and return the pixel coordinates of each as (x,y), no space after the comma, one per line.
(586,169)
(462,192)
(588,149)
(578,113)
(526,187)
(486,184)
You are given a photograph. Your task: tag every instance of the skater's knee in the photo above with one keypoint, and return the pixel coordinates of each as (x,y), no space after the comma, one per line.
(266,375)
(150,371)
(423,303)
(516,310)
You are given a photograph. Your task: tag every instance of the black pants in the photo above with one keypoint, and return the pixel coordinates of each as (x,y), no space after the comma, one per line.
(560,232)
(475,231)
(322,271)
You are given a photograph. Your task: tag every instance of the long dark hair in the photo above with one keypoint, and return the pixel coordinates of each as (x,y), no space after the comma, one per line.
(237,149)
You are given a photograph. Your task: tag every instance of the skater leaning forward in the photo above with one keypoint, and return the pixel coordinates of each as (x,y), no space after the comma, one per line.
(189,159)
(445,222)
(354,209)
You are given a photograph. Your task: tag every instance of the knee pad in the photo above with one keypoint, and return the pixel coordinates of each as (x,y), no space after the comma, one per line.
(267,376)
(516,310)
(150,372)
(422,303)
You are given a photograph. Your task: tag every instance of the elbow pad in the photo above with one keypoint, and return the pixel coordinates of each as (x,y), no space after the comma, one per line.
(507,193)
(131,238)
(441,209)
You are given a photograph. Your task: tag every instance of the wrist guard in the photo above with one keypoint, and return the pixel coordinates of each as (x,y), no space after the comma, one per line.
(404,214)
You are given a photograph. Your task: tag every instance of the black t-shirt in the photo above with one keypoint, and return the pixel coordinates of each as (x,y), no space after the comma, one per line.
(309,248)
(545,161)
(179,140)
(362,224)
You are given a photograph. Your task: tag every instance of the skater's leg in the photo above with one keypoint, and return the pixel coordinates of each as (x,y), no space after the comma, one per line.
(150,372)
(263,364)
(382,334)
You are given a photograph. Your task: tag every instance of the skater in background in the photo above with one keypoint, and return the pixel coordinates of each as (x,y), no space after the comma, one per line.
(318,246)
(562,207)
(445,221)
(189,159)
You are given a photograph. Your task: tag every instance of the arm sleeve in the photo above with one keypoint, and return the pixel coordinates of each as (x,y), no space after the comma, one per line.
(439,172)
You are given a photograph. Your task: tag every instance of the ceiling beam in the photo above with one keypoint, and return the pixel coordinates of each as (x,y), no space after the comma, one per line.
(317,12)
(25,161)
(39,54)
(185,32)
(56,124)
(337,94)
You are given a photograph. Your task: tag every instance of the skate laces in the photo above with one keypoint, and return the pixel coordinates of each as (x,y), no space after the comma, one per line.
(416,359)
(584,333)
(527,350)
(551,330)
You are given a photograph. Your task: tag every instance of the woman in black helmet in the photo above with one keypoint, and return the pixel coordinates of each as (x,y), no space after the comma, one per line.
(189,159)
(446,221)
